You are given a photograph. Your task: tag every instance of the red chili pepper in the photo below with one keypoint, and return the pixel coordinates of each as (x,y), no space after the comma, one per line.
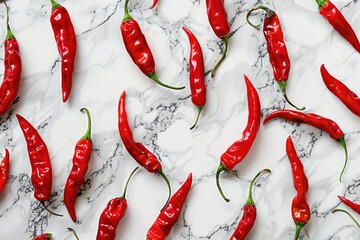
(66,42)
(300,209)
(333,15)
(170,213)
(41,176)
(138,151)
(278,54)
(197,81)
(342,210)
(138,49)
(4,170)
(218,20)
(154,4)
(12,62)
(314,120)
(248,219)
(80,165)
(45,236)
(239,149)
(352,205)
(112,214)
(340,90)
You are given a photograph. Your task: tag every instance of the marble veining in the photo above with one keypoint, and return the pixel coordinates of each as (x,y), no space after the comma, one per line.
(160,119)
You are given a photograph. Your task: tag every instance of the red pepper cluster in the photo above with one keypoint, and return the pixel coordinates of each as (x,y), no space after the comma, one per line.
(140,53)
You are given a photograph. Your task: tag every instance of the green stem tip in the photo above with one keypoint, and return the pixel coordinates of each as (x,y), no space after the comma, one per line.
(51,212)
(154,77)
(127,15)
(54,4)
(87,134)
(9,34)
(343,144)
(321,3)
(197,117)
(168,185)
(250,200)
(221,168)
(127,183)
(268,11)
(223,55)
(344,211)
(299,226)
(73,231)
(282,85)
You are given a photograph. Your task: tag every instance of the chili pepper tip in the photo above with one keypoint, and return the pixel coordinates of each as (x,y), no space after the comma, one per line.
(343,144)
(226,41)
(87,134)
(154,4)
(127,15)
(169,188)
(197,118)
(9,34)
(51,212)
(344,211)
(221,168)
(54,4)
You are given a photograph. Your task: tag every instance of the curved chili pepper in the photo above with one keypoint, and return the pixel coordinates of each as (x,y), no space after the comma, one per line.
(45,236)
(333,15)
(41,176)
(248,219)
(170,213)
(80,161)
(138,49)
(137,150)
(112,214)
(340,90)
(12,62)
(218,20)
(342,210)
(324,124)
(352,205)
(239,149)
(4,170)
(65,37)
(154,4)
(197,81)
(300,209)
(278,54)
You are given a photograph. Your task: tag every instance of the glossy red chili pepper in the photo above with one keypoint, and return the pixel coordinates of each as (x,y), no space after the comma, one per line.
(12,62)
(197,81)
(278,54)
(41,176)
(112,214)
(344,211)
(248,219)
(352,205)
(340,90)
(4,170)
(66,43)
(218,20)
(333,15)
(154,4)
(239,149)
(137,150)
(45,236)
(325,124)
(138,49)
(300,209)
(80,165)
(170,213)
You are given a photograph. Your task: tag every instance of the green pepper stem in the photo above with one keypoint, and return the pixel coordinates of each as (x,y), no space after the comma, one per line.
(342,210)
(54,4)
(268,11)
(282,85)
(73,231)
(221,168)
(9,34)
(343,144)
(154,77)
(169,188)
(226,41)
(321,3)
(299,226)
(250,200)
(127,15)
(197,118)
(127,183)
(49,235)
(87,134)
(51,212)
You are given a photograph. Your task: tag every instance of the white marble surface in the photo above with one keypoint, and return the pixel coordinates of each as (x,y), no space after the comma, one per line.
(160,119)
